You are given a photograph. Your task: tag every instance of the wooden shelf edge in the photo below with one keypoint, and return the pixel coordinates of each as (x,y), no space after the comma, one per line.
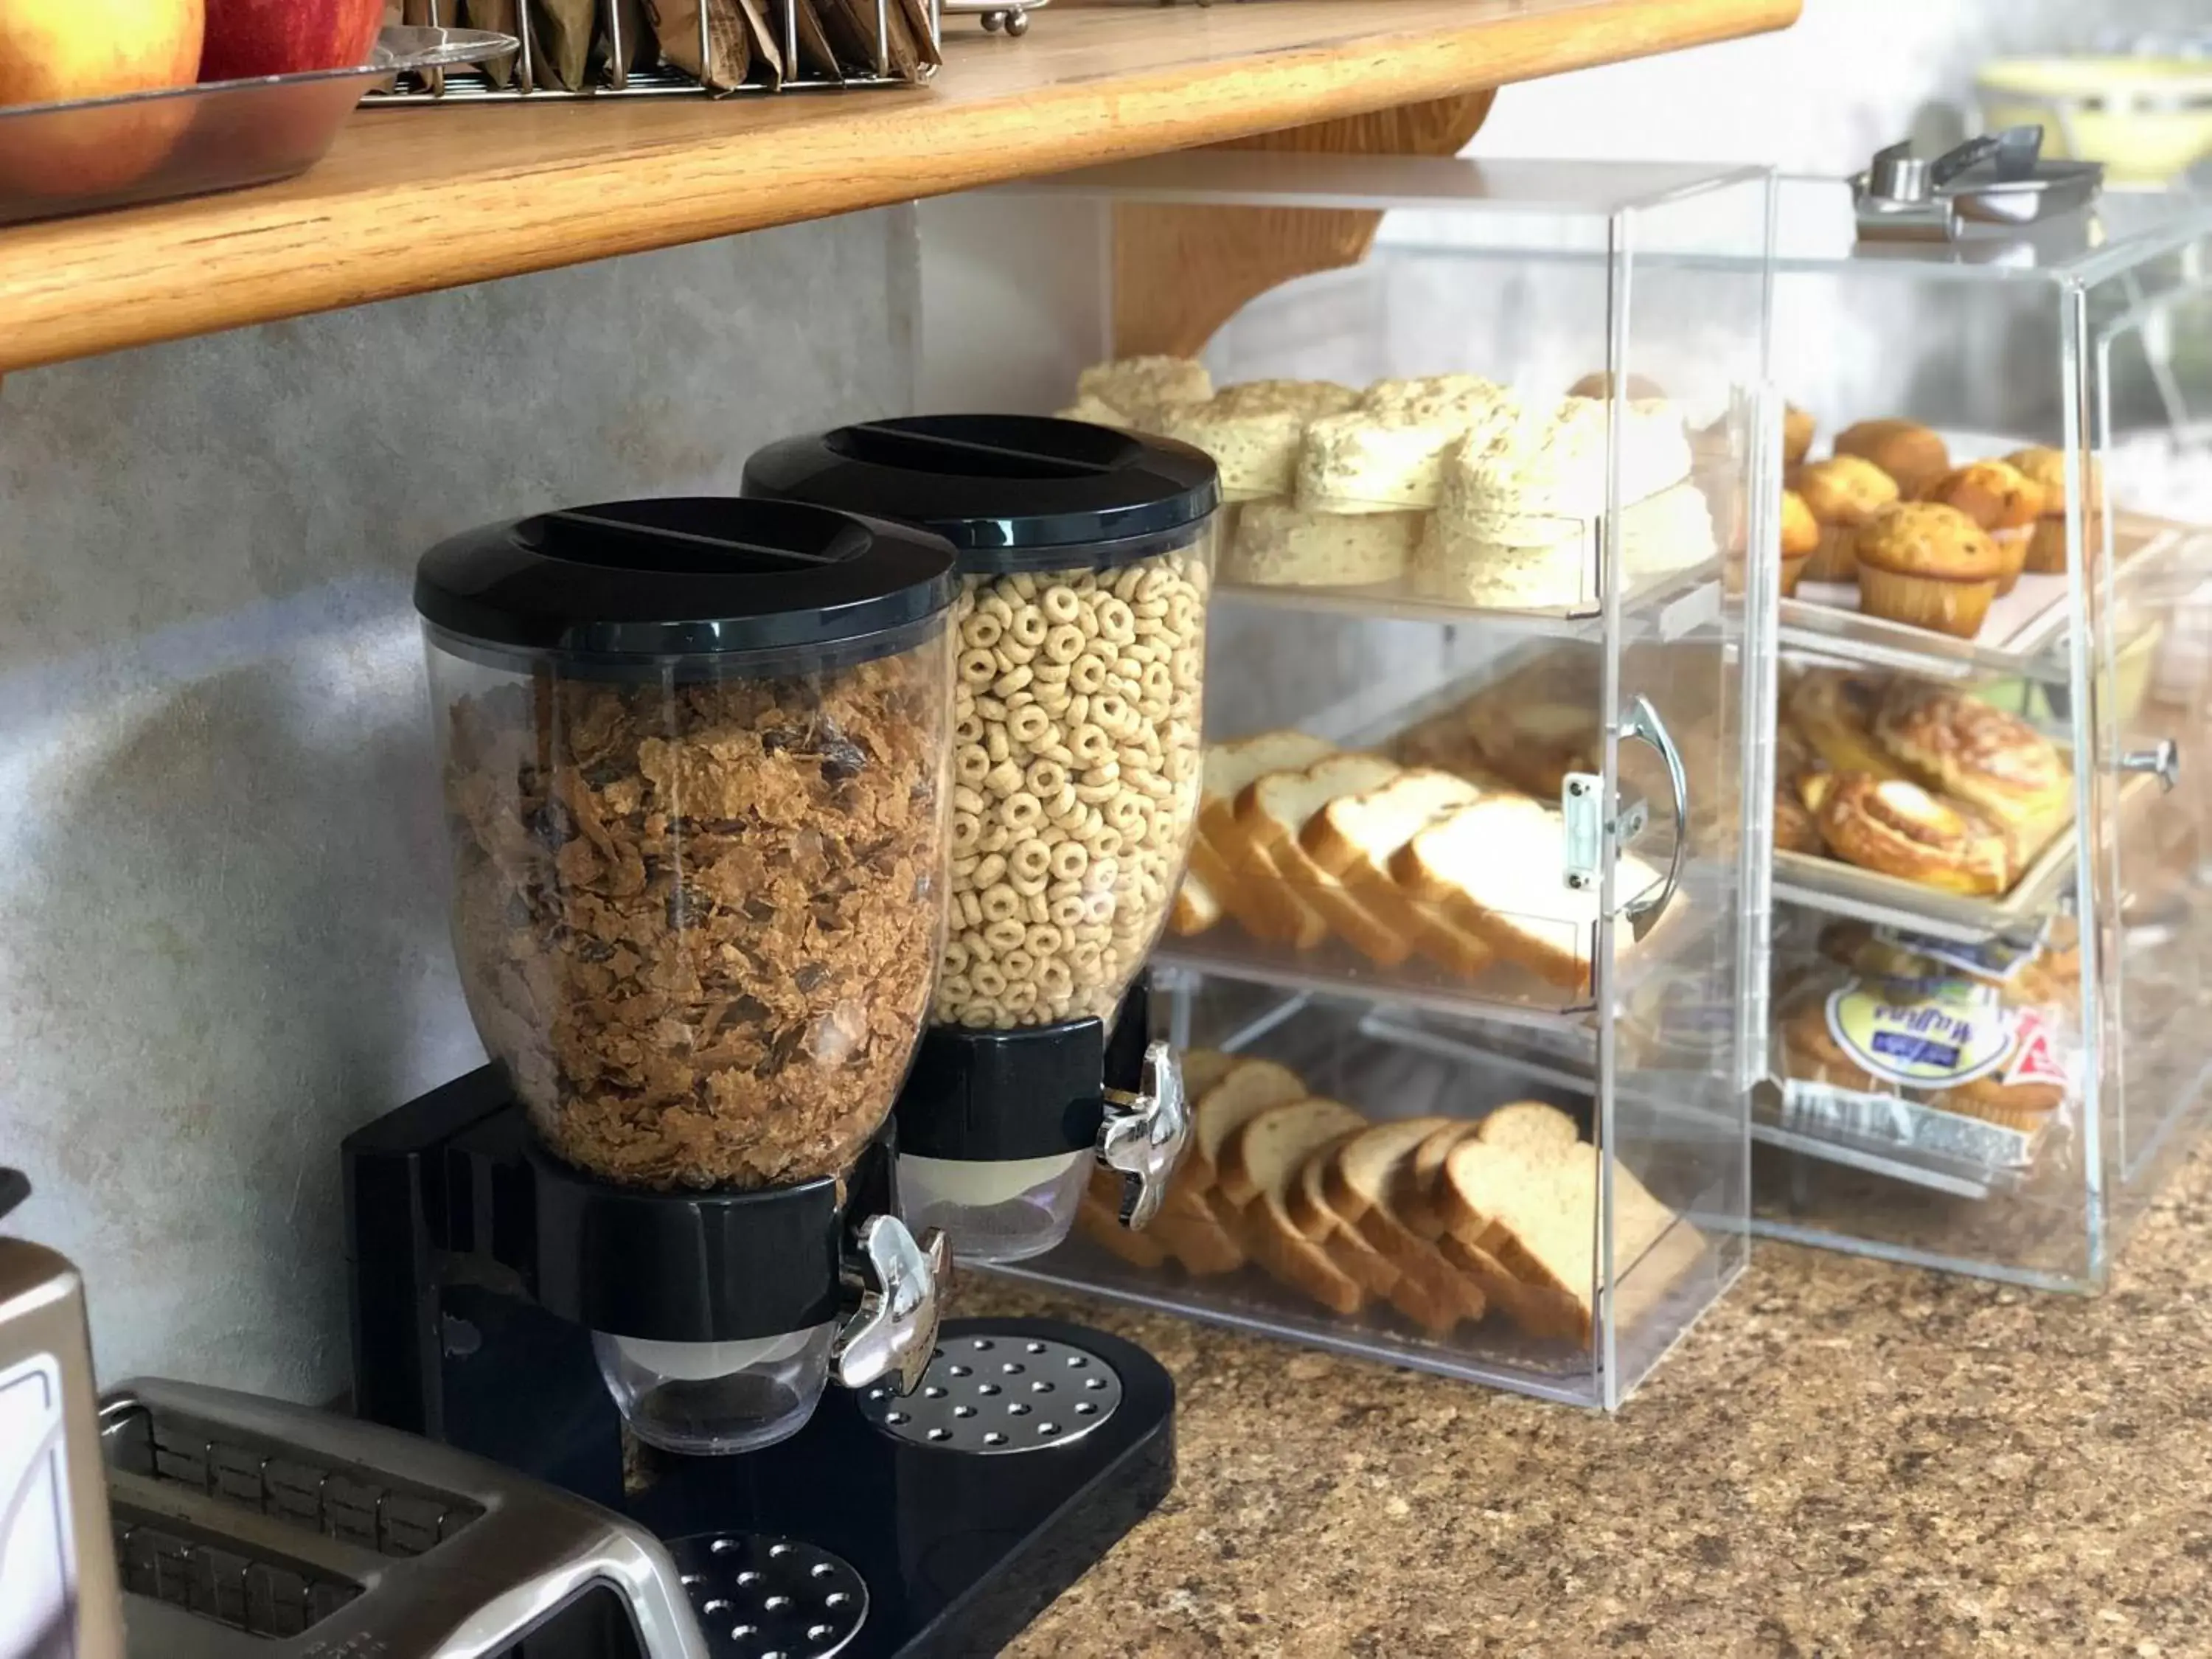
(578,183)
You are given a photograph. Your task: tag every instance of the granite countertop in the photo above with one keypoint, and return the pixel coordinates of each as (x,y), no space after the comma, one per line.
(1846,1458)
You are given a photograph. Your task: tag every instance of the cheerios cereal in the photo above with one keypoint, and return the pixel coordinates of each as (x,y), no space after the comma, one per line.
(1076,775)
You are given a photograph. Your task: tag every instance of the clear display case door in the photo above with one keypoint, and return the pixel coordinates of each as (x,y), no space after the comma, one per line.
(2141,550)
(1685,872)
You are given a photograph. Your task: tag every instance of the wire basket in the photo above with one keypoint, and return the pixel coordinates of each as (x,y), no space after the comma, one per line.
(611,73)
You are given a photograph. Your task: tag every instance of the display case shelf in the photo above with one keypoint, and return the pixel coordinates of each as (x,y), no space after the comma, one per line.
(2025,636)
(1665,608)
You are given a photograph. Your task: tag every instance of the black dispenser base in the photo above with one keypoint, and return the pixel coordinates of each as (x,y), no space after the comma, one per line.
(958,1549)
(961,1512)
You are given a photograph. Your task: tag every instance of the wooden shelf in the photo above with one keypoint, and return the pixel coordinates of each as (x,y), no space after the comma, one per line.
(412,199)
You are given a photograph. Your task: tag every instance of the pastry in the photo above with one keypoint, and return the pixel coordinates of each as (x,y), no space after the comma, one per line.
(1253,431)
(1796,435)
(1907,451)
(1994,762)
(2046,543)
(2000,499)
(1090,409)
(1897,828)
(1929,565)
(1138,388)
(1388,455)
(1599,384)
(1812,1055)
(1553,463)
(1841,495)
(1801,538)
(1834,712)
(2025,1107)
(1795,831)
(1278,544)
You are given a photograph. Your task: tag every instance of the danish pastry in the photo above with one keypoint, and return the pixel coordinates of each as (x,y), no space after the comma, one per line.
(1897,828)
(1833,711)
(1995,763)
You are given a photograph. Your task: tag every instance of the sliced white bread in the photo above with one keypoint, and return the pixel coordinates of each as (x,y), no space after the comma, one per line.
(1270,812)
(1533,1209)
(1241,1093)
(1219,852)
(1354,837)
(1498,869)
(1195,909)
(1358,1183)
(1198,1242)
(1265,1156)
(1307,1209)
(1201,1069)
(1418,1296)
(1097,1218)
(1528,1124)
(1413,1194)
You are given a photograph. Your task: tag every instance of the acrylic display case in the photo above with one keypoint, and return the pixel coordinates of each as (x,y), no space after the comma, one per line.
(2020,1063)
(1486,778)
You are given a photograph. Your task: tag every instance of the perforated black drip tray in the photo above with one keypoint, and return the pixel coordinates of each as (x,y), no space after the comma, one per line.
(944,1532)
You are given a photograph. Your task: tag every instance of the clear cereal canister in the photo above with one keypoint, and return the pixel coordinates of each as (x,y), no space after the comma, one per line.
(1086,557)
(694,764)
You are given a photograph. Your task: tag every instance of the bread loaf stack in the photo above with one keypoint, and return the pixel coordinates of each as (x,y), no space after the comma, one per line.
(1443,1220)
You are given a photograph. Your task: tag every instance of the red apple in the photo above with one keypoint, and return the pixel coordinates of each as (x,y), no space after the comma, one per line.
(248,38)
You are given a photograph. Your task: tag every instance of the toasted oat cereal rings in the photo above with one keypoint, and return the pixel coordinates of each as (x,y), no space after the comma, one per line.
(1083,747)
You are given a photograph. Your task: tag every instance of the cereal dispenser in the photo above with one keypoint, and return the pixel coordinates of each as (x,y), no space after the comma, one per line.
(1084,558)
(696,766)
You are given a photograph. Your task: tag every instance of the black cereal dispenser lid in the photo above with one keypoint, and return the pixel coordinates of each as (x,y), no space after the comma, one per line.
(688,576)
(1010,492)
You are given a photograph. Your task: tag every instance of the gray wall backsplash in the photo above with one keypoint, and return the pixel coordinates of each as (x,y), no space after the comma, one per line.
(222,937)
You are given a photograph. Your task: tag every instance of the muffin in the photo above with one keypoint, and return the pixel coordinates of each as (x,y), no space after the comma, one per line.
(1929,565)
(2046,543)
(1801,538)
(1812,1055)
(1598,383)
(2004,501)
(1796,435)
(1842,494)
(1907,451)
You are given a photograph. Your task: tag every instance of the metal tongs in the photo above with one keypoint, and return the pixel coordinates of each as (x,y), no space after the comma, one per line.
(1999,178)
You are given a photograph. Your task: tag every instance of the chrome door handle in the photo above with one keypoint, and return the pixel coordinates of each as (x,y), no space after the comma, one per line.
(2162,760)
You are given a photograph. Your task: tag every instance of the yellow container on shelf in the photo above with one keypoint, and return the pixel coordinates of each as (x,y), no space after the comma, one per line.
(2148,120)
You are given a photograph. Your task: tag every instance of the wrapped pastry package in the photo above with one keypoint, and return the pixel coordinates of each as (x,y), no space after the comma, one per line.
(1960,1059)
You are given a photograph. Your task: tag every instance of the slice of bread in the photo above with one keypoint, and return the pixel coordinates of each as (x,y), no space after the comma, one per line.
(1219,852)
(1354,837)
(1198,1242)
(1528,1124)
(1412,1195)
(1308,1212)
(1097,1218)
(1266,1155)
(1533,1209)
(1271,812)
(1358,1185)
(1195,907)
(1246,1090)
(1498,869)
